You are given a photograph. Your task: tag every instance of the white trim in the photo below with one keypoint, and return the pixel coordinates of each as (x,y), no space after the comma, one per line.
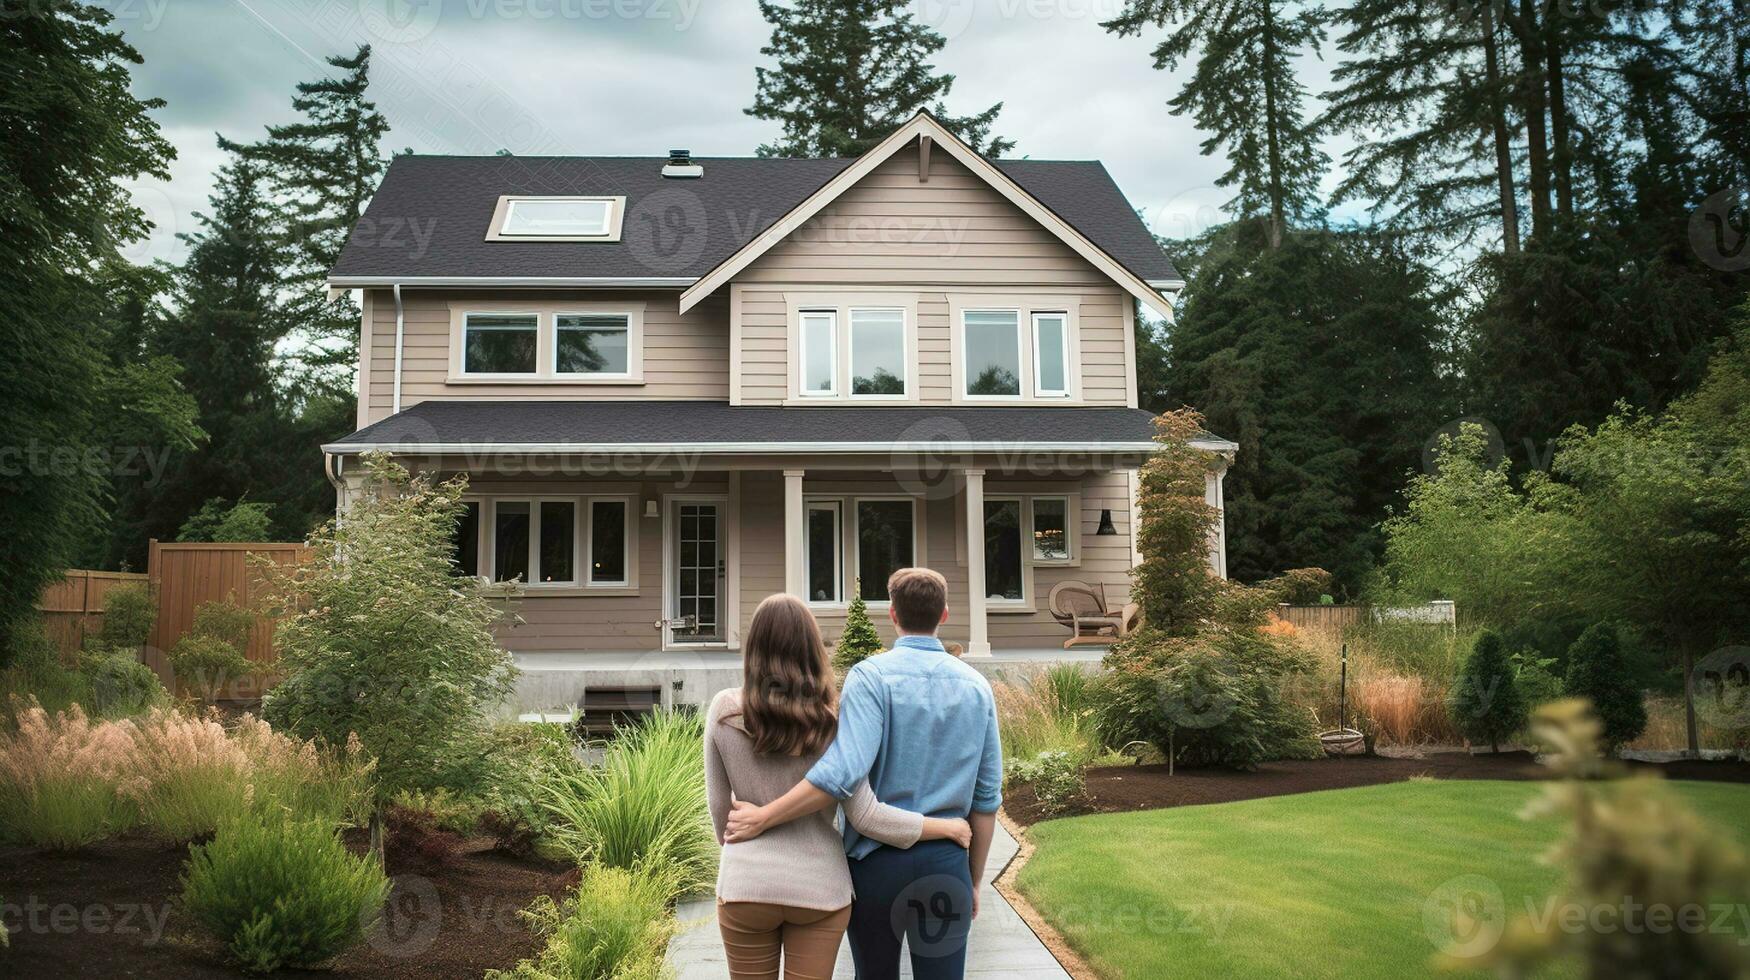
(667,609)
(582,528)
(843,305)
(907,347)
(853,532)
(533,282)
(627,522)
(1131,399)
(400,330)
(978,627)
(1039,389)
(367,311)
(756,448)
(836,506)
(962,377)
(923,124)
(507,203)
(1169,285)
(1025,305)
(735,344)
(832,356)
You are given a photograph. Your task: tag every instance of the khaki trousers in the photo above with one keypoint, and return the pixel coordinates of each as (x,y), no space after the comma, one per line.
(754,933)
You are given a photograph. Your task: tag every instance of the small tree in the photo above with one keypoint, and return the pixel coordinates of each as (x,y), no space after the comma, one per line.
(1174,584)
(1486,701)
(859,641)
(128,617)
(381,639)
(247,520)
(1598,672)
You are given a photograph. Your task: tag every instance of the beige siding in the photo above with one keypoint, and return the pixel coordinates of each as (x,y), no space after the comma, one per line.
(685,355)
(952,236)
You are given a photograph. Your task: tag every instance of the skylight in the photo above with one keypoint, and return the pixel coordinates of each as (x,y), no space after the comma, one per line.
(557,219)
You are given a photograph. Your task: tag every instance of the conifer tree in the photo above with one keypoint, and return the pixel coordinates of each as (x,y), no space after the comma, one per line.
(1598,672)
(849,73)
(1244,94)
(322,171)
(859,641)
(1486,702)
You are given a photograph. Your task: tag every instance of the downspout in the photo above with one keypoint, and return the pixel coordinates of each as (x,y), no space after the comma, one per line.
(331,469)
(400,327)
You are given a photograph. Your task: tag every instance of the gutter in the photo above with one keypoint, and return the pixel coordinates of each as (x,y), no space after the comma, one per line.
(657,282)
(757,448)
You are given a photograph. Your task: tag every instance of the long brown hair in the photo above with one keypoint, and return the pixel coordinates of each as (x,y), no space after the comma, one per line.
(789,704)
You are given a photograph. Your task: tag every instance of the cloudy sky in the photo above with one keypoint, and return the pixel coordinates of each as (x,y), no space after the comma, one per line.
(637,77)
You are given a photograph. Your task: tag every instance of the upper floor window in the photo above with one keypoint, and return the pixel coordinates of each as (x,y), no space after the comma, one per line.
(576,343)
(500,343)
(1015,354)
(563,219)
(859,351)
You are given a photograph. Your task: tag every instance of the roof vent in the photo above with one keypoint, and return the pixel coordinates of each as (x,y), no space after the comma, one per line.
(680,164)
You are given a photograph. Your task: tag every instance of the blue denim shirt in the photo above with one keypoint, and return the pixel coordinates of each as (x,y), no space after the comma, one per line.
(922,727)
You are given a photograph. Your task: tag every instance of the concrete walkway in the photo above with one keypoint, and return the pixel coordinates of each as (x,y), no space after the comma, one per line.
(1001,944)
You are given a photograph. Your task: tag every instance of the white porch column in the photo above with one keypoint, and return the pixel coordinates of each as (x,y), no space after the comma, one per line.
(794,536)
(978,641)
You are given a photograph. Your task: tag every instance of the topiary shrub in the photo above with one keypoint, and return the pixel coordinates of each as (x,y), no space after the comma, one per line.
(1487,704)
(1058,780)
(1598,672)
(120,684)
(282,893)
(859,641)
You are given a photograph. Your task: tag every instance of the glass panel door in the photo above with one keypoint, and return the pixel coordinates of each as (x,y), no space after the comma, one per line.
(698,566)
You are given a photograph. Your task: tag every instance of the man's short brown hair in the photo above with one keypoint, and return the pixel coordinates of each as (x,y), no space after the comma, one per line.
(918,596)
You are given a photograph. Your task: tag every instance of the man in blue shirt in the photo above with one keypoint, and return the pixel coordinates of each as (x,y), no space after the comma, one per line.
(921,727)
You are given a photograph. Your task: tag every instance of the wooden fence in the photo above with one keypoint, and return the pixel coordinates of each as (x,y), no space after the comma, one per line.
(1334,617)
(72,608)
(183,577)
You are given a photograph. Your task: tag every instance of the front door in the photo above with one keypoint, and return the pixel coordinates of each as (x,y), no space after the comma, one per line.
(696,616)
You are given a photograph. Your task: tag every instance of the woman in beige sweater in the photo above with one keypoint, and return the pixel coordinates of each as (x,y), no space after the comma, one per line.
(789,890)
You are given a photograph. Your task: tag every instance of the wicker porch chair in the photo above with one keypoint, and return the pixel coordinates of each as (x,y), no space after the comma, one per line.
(1082,609)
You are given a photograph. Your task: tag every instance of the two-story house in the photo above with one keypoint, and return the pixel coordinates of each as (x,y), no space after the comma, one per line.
(680,385)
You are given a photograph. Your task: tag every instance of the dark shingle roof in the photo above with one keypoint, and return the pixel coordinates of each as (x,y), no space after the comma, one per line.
(481,423)
(429,216)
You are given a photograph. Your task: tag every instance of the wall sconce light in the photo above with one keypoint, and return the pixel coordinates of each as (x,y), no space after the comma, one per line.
(650,508)
(1106,522)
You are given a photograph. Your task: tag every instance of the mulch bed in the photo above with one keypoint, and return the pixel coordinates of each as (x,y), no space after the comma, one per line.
(1120,789)
(112,911)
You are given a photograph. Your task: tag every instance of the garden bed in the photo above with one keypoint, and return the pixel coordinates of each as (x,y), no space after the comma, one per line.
(1121,789)
(96,913)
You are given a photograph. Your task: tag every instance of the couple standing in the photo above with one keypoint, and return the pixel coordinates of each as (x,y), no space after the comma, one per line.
(910,752)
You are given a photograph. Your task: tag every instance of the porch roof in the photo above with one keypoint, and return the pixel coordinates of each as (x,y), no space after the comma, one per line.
(479,425)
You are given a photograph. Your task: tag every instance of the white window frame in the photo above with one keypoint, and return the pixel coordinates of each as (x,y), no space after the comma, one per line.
(832,317)
(1039,389)
(850,556)
(461,344)
(547,343)
(1071,527)
(595,375)
(581,582)
(1072,538)
(1021,356)
(507,203)
(836,507)
(628,528)
(905,348)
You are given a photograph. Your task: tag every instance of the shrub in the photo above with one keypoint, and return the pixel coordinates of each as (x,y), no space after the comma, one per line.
(1049,710)
(60,779)
(1486,703)
(381,639)
(614,926)
(1299,586)
(528,759)
(1598,672)
(37,674)
(214,649)
(447,809)
(119,683)
(1537,683)
(128,616)
(1058,779)
(412,838)
(216,520)
(644,805)
(859,641)
(1219,698)
(1393,705)
(282,892)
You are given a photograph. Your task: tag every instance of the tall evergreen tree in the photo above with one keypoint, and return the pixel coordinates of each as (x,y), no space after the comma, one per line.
(1324,360)
(849,73)
(73,132)
(322,171)
(1244,93)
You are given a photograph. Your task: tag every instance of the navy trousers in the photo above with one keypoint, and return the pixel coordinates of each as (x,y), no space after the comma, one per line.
(923,896)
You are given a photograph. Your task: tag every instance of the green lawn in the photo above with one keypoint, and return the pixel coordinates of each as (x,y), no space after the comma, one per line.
(1329,884)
